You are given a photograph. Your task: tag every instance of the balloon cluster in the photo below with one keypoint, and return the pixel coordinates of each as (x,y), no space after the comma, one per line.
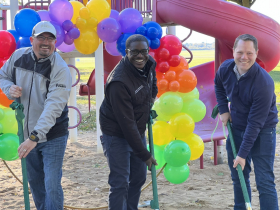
(178,108)
(9,141)
(116,29)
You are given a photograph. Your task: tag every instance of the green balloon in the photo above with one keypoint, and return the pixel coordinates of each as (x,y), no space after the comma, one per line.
(9,144)
(160,117)
(1,128)
(158,150)
(2,114)
(177,153)
(9,121)
(195,108)
(170,103)
(176,175)
(194,94)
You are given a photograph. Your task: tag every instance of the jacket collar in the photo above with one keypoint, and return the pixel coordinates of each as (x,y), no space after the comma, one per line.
(41,60)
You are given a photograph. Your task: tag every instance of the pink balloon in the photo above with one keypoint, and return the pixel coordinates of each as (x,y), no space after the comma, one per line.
(44,15)
(66,48)
(112,48)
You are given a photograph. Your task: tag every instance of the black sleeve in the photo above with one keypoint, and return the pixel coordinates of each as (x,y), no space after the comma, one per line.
(155,89)
(121,103)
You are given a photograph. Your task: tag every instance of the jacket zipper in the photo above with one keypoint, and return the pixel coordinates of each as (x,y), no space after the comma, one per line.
(29,98)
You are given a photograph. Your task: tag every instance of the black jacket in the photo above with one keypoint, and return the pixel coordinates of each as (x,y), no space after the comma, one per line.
(127,103)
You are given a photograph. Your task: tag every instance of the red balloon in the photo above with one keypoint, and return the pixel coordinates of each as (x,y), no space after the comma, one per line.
(163,54)
(170,75)
(162,84)
(7,44)
(174,60)
(172,44)
(174,86)
(4,101)
(2,62)
(162,66)
(187,80)
(152,54)
(183,65)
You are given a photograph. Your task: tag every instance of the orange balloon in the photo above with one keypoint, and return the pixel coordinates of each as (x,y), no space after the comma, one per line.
(160,75)
(4,101)
(187,80)
(170,75)
(183,65)
(162,84)
(174,86)
(160,92)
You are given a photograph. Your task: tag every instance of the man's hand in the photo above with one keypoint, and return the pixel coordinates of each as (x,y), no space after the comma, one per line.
(15,91)
(151,161)
(25,148)
(225,118)
(239,160)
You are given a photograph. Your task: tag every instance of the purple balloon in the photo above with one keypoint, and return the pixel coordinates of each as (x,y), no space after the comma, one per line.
(68,40)
(61,10)
(112,48)
(130,19)
(114,14)
(44,15)
(66,48)
(59,33)
(109,30)
(67,25)
(74,33)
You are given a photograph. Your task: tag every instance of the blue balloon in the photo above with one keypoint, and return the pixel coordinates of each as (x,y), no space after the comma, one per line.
(155,43)
(121,43)
(23,42)
(155,25)
(148,40)
(152,33)
(141,30)
(15,34)
(25,20)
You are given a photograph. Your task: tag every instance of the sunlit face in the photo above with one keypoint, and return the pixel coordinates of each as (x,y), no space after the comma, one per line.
(139,60)
(43,48)
(244,55)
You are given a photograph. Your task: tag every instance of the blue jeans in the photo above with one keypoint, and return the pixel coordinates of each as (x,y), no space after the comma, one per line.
(44,172)
(127,173)
(262,154)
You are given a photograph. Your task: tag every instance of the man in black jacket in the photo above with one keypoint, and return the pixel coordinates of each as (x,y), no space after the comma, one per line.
(130,90)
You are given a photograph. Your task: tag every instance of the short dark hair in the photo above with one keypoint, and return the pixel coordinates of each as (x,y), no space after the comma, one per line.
(246,37)
(135,38)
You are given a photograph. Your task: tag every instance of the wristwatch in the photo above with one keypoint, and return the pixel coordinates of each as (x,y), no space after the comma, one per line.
(33,136)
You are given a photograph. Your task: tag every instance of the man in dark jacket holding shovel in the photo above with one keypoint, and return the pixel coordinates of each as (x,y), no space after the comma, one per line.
(253,115)
(129,92)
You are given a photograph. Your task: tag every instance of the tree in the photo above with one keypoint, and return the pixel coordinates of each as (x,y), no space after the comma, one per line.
(245,3)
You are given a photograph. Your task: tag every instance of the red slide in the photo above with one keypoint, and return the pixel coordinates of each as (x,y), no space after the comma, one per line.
(223,21)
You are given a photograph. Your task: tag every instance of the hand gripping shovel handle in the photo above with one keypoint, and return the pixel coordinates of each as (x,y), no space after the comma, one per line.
(154,203)
(20,116)
(239,169)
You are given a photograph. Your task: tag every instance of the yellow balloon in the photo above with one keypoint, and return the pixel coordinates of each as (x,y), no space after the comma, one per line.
(100,8)
(85,2)
(196,145)
(181,125)
(92,23)
(84,13)
(81,24)
(109,2)
(161,133)
(87,42)
(76,8)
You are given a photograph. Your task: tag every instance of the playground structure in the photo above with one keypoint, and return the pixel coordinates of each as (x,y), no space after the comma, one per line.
(215,18)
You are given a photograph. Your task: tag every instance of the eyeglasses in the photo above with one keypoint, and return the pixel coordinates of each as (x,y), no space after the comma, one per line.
(136,52)
(43,38)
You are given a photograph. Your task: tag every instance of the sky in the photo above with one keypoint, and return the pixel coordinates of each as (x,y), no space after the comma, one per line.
(269,8)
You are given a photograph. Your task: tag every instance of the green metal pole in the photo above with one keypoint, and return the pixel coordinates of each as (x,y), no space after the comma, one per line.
(154,203)
(20,116)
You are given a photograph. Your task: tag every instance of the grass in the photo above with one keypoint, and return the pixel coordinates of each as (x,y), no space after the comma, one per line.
(88,121)
(86,65)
